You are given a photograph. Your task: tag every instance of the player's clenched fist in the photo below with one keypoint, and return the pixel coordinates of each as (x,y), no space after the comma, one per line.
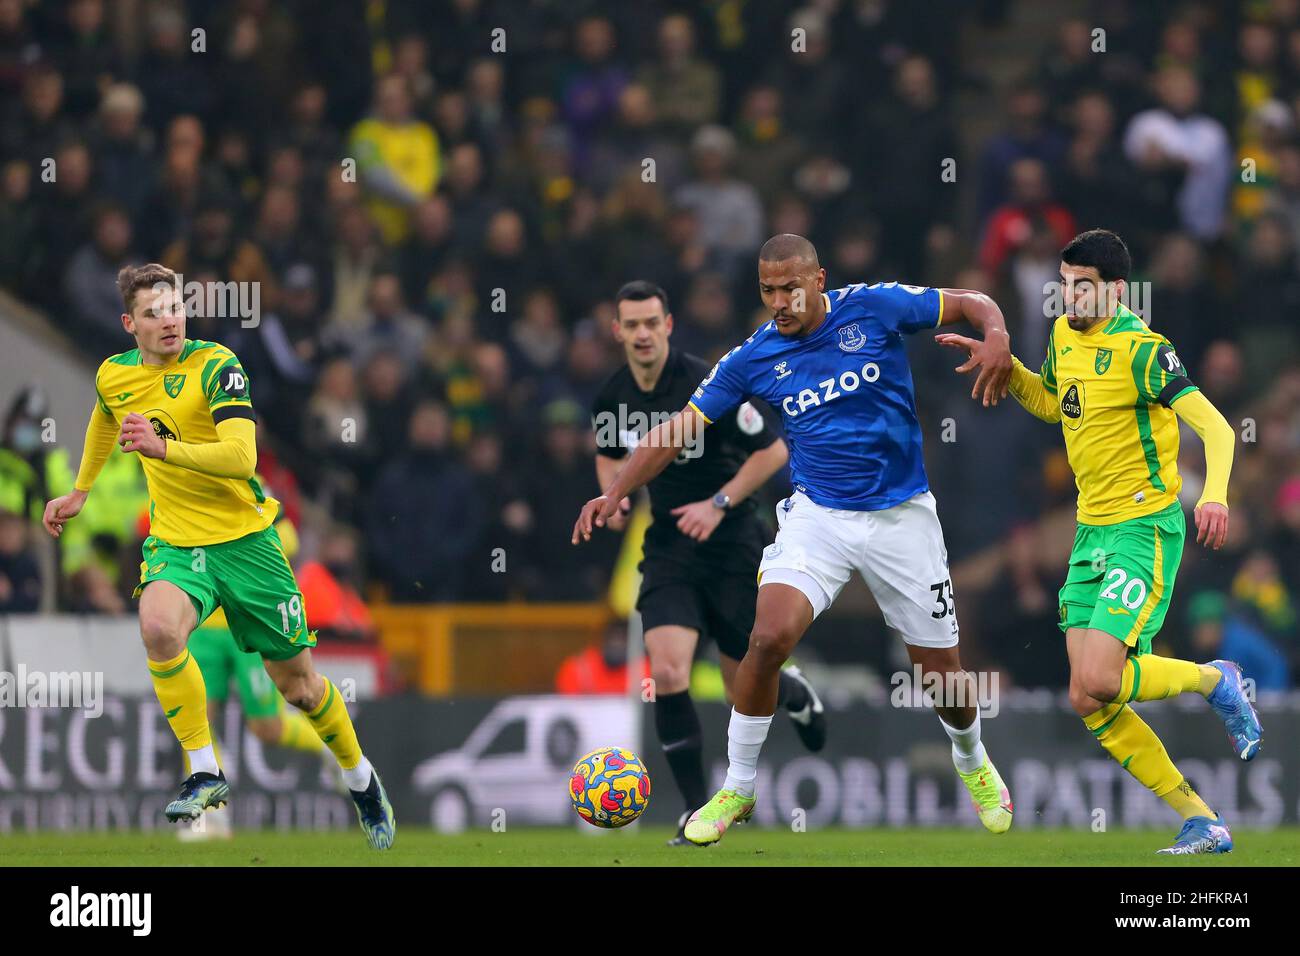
(138,434)
(595,513)
(61,509)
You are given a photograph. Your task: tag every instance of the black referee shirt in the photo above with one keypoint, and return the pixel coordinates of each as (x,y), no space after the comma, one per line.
(622,414)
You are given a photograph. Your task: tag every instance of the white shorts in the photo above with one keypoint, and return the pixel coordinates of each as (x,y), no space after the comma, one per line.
(898,551)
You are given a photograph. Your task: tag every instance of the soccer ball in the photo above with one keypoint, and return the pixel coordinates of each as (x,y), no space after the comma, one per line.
(609,787)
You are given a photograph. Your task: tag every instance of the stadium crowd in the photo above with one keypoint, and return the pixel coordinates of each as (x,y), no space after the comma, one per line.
(438,200)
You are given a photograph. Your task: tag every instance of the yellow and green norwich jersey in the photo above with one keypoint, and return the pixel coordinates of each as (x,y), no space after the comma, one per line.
(185,401)
(1114,384)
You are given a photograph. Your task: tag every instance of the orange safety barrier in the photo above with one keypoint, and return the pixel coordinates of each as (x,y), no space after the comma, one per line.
(448,649)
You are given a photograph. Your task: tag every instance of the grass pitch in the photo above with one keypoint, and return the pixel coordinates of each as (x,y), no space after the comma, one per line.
(743,846)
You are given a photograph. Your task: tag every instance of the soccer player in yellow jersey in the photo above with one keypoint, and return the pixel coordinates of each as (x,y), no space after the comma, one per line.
(1118,390)
(184,407)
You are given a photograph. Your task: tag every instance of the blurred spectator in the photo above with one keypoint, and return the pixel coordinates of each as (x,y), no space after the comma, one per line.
(38,127)
(1099,182)
(20,576)
(1269,294)
(388,398)
(1175,139)
(397,158)
(686,90)
(19,221)
(386,326)
(356,254)
(595,81)
(912,197)
(214,246)
(1220,632)
(91,591)
(600,669)
(63,215)
(175,82)
(336,430)
(330,589)
(425,514)
(123,149)
(767,152)
(1028,136)
(90,281)
(507,269)
(814,81)
(507,525)
(560,480)
(1184,305)
(1029,211)
(426,249)
(707,321)
(727,209)
(23,450)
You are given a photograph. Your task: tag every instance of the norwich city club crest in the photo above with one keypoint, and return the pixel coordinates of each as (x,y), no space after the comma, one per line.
(1103,361)
(173,384)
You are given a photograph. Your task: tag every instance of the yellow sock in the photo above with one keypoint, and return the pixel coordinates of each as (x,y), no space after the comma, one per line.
(1149,677)
(1130,740)
(1186,802)
(334,727)
(179,686)
(297,732)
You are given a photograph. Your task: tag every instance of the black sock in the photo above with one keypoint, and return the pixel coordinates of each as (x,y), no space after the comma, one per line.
(678,726)
(791,694)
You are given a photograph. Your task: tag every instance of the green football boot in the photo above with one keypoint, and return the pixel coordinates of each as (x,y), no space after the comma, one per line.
(990,797)
(708,823)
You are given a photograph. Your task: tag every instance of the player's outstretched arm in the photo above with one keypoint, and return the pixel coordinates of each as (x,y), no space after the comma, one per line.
(652,455)
(101,431)
(1219,438)
(1026,387)
(992,355)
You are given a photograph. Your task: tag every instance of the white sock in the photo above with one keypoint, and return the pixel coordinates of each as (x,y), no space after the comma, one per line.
(203,760)
(745,736)
(358,778)
(967,751)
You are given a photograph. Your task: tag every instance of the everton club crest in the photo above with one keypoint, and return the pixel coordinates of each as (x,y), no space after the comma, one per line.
(851,338)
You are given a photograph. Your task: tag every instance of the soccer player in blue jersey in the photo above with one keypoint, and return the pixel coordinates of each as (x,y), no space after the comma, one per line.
(835,366)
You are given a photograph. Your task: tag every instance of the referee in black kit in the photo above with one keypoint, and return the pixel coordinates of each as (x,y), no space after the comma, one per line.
(699,568)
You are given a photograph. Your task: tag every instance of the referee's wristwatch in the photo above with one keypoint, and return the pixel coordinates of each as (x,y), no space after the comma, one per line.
(722,501)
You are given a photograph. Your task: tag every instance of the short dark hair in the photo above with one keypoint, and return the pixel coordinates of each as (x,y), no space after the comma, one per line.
(788,246)
(638,290)
(134,278)
(1102,250)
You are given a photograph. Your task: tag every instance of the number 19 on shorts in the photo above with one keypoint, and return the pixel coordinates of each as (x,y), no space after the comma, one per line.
(291,612)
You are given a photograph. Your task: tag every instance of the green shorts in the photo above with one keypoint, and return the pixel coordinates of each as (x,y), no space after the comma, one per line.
(223,663)
(249,578)
(1122,575)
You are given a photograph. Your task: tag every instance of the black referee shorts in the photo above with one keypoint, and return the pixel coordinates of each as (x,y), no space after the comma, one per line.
(710,587)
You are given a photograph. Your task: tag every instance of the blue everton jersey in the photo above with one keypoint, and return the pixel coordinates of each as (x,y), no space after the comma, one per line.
(845,392)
